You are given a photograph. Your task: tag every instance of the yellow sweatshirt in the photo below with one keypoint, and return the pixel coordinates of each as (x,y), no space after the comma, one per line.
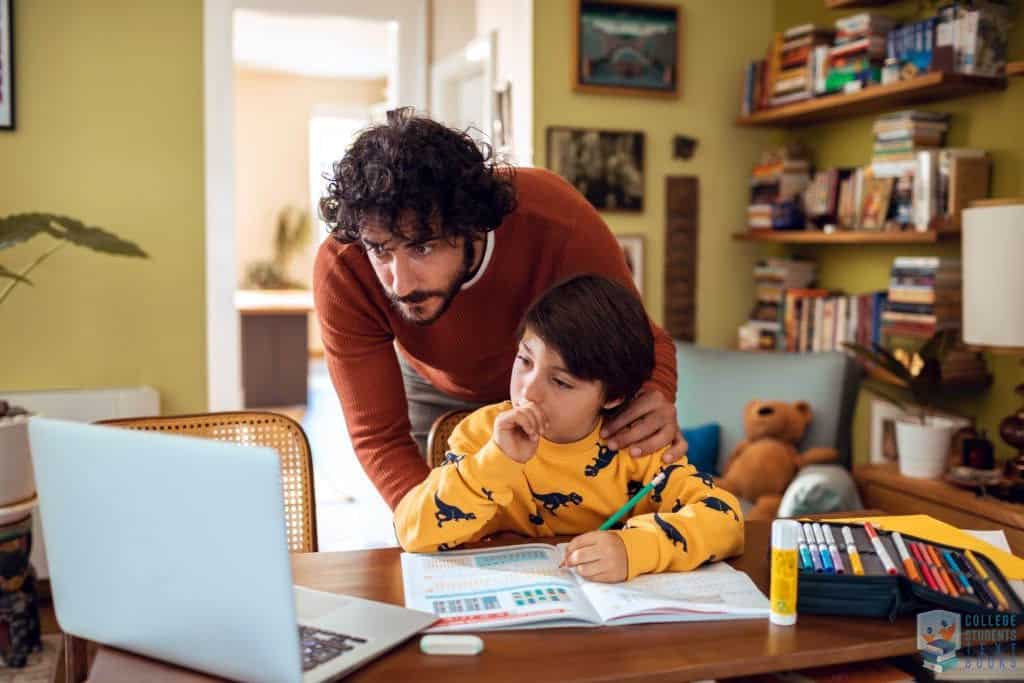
(568,489)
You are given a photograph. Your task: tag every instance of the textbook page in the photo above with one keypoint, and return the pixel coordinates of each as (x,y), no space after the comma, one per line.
(710,593)
(504,587)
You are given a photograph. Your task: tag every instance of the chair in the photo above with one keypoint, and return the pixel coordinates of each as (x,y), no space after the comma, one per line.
(250,428)
(437,439)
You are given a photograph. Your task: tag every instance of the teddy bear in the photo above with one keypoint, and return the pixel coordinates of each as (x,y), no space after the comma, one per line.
(763,464)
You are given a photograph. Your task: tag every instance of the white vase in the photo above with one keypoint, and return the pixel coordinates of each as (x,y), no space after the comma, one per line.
(924,448)
(17,483)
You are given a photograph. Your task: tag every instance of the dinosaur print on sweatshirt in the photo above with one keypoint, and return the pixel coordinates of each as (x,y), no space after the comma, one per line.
(452,459)
(720,505)
(670,531)
(553,501)
(449,513)
(604,458)
(656,491)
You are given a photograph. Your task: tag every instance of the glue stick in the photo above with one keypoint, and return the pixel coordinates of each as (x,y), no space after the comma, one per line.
(782,593)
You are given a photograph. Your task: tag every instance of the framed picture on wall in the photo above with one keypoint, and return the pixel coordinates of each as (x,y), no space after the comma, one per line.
(606,166)
(6,65)
(626,48)
(633,252)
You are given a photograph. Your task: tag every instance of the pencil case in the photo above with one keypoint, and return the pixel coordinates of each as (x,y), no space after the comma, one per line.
(967,582)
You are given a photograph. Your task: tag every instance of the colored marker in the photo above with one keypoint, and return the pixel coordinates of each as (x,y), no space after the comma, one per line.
(826,559)
(989,583)
(883,554)
(815,555)
(926,570)
(908,561)
(851,550)
(833,549)
(957,572)
(980,589)
(804,553)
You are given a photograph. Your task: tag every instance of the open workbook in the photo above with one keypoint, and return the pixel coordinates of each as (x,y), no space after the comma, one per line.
(523,586)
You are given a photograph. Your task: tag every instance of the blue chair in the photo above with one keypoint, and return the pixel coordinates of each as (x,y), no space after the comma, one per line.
(715,385)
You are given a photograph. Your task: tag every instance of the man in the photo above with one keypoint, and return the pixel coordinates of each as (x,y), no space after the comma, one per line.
(437,252)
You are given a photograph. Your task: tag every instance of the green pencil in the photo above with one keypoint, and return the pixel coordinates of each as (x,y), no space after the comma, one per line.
(658,478)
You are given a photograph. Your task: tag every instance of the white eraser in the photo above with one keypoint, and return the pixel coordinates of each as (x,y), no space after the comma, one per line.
(451,645)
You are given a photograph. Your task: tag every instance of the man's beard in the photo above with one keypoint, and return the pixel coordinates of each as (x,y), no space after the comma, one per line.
(446,295)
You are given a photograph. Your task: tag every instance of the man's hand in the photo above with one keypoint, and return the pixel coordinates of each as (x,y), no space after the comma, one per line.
(517,432)
(598,556)
(647,424)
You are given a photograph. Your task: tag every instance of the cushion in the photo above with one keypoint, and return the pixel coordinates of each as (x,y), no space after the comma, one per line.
(819,489)
(702,447)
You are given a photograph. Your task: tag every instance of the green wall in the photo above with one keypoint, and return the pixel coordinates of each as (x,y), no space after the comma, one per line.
(990,121)
(719,38)
(109,130)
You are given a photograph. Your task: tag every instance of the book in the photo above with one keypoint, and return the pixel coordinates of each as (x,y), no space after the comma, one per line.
(523,586)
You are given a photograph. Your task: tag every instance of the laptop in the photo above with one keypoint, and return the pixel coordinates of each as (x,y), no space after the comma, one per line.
(174,547)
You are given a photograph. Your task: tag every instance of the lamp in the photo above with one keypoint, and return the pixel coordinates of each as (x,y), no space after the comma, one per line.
(993,296)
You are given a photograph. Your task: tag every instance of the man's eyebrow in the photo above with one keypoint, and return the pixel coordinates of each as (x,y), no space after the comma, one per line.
(374,245)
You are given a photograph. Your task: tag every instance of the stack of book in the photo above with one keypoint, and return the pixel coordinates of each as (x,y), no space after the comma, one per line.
(817,320)
(900,136)
(793,80)
(856,60)
(939,656)
(775,187)
(972,37)
(911,45)
(773,277)
(924,297)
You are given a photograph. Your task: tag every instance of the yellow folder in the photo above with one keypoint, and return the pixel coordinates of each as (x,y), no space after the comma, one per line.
(931,529)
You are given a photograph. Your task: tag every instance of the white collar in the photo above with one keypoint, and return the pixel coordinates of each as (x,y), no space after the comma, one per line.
(488,250)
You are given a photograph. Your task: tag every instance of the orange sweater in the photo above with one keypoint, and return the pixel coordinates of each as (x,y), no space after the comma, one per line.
(468,352)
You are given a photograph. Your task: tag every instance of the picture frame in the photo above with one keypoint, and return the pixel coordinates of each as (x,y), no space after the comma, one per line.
(627,48)
(883,431)
(875,207)
(633,252)
(606,166)
(6,65)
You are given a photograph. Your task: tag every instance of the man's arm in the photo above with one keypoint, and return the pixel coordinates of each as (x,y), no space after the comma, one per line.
(360,354)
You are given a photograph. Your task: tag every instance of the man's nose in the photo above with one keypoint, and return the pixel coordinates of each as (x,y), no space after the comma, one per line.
(403,281)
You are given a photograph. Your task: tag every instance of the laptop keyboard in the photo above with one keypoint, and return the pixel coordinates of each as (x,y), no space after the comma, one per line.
(319,646)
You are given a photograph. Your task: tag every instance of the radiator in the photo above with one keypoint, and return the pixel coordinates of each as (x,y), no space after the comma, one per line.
(80,405)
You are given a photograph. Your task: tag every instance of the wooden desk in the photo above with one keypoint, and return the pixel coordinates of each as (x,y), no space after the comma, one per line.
(649,652)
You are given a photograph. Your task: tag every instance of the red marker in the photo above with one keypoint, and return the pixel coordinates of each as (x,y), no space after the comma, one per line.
(883,555)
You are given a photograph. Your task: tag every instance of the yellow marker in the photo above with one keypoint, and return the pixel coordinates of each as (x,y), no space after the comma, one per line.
(991,584)
(851,551)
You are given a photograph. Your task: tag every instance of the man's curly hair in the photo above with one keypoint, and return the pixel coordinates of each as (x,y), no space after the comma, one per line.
(415,166)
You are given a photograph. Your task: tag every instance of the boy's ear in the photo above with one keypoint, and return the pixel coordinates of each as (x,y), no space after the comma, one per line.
(613,404)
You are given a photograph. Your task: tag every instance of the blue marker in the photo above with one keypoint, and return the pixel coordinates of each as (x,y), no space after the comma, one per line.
(826,558)
(805,554)
(815,555)
(957,571)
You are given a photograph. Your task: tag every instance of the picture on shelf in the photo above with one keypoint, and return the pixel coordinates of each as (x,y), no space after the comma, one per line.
(633,252)
(607,167)
(883,431)
(628,47)
(6,66)
(875,208)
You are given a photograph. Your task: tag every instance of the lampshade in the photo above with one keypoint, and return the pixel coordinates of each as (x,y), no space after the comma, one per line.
(993,274)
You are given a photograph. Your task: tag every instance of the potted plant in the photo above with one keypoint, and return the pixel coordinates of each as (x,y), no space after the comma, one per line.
(16,481)
(923,437)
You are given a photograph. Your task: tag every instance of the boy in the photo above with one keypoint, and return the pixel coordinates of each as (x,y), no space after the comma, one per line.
(536,465)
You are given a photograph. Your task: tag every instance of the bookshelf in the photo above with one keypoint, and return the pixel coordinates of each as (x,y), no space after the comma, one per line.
(844,237)
(876,99)
(1015,69)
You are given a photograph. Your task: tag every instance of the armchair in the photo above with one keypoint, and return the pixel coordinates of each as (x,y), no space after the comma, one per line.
(714,386)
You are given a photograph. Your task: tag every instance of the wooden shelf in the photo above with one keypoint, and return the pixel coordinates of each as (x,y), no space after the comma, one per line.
(874,99)
(843,237)
(851,4)
(1015,69)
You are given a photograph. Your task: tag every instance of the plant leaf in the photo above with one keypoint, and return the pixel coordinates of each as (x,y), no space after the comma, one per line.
(97,239)
(21,227)
(939,345)
(11,275)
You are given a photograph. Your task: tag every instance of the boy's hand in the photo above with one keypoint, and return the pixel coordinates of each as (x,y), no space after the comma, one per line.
(598,556)
(647,424)
(517,432)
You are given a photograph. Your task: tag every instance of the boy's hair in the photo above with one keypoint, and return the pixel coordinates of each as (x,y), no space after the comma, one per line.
(414,166)
(600,329)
